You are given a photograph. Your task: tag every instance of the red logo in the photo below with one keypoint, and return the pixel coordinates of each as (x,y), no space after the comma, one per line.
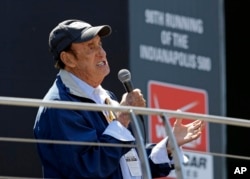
(174,97)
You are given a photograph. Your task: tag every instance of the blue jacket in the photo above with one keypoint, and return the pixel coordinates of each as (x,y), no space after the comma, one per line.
(79,161)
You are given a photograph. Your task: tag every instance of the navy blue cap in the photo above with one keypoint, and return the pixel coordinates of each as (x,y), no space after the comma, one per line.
(74,30)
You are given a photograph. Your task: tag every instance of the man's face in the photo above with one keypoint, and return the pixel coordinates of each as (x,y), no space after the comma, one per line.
(90,62)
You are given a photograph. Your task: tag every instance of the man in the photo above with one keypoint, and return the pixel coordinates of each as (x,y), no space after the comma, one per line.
(78,53)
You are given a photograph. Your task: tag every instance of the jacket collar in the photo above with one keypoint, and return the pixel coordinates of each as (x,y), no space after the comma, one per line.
(71,84)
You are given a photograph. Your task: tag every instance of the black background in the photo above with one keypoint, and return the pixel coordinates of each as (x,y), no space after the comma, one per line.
(238,89)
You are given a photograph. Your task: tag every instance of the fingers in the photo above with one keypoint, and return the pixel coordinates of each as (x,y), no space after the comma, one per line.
(178,121)
(196,129)
(197,133)
(196,125)
(135,98)
(196,136)
(193,135)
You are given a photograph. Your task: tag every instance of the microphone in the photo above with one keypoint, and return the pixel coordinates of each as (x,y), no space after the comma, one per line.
(125,77)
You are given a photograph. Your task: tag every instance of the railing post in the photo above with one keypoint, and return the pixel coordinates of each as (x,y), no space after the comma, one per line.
(174,148)
(146,173)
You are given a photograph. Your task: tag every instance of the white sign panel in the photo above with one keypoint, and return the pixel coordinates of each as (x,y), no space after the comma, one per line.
(199,166)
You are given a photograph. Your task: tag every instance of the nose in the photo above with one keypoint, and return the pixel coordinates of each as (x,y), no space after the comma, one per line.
(101,51)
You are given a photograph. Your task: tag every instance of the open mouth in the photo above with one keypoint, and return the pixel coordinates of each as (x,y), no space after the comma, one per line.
(102,63)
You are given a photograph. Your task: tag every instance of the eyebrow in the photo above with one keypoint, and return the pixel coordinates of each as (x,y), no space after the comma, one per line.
(92,42)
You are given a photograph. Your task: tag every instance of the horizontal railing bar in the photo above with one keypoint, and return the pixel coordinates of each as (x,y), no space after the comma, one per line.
(31,102)
(63,142)
(29,140)
(218,154)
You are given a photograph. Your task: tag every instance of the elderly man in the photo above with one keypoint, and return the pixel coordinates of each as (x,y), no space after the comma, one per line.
(78,53)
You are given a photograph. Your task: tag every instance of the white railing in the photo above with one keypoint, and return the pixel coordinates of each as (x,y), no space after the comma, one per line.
(165,115)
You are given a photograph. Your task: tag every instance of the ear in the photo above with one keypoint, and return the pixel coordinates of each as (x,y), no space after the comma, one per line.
(67,59)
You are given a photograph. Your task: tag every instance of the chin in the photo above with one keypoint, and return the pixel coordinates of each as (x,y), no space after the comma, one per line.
(107,70)
(107,73)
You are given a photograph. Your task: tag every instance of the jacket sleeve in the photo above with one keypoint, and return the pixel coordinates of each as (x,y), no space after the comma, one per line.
(160,162)
(75,161)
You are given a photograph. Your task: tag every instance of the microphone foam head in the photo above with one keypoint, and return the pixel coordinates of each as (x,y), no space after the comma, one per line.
(124,75)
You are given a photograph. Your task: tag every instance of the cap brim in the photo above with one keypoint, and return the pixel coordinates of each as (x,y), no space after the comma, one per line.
(91,32)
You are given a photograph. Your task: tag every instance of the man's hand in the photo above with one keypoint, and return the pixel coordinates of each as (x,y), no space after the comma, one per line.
(187,133)
(133,98)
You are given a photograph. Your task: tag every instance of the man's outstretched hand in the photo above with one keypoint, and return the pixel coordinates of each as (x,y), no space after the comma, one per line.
(185,133)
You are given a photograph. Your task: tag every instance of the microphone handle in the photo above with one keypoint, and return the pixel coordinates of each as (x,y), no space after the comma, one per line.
(128,86)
